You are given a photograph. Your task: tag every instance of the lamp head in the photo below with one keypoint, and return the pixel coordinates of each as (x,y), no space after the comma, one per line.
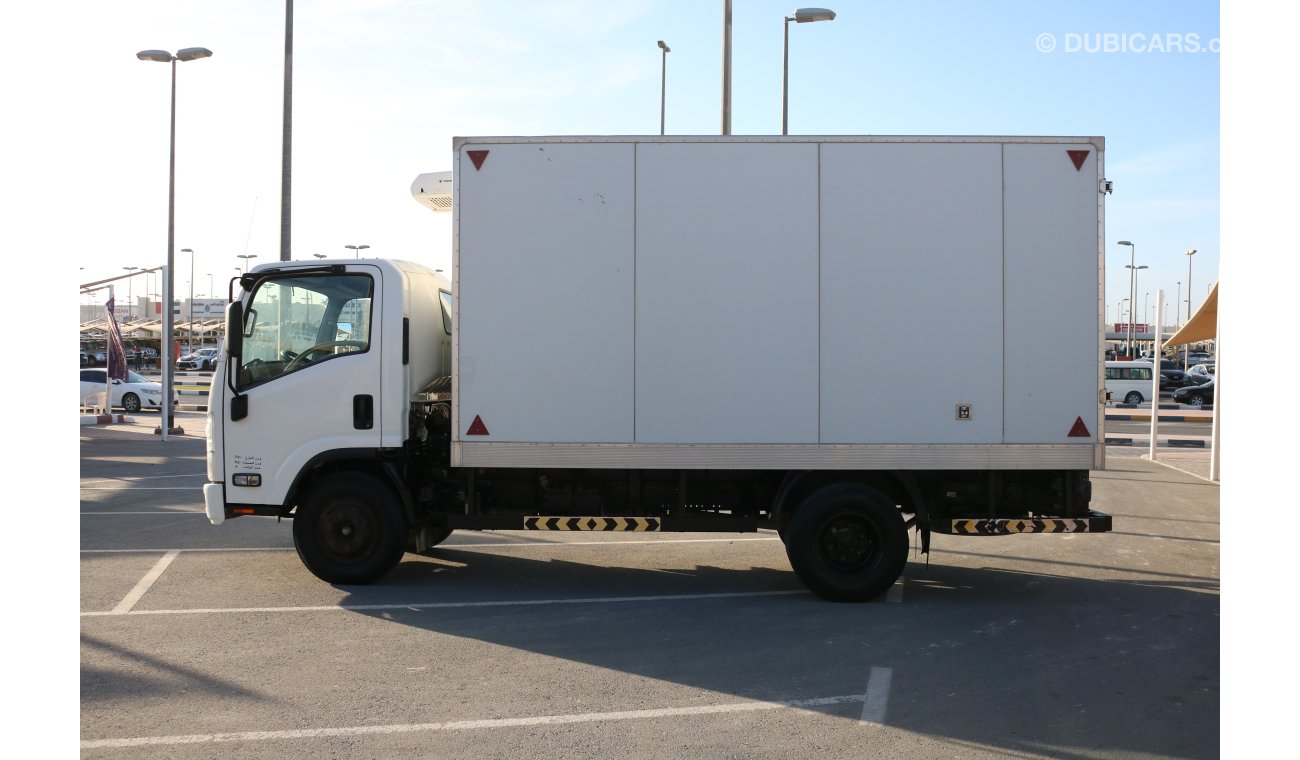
(1125,242)
(806,15)
(162,56)
(193,54)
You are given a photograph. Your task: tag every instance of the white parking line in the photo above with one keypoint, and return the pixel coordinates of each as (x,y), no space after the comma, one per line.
(472,725)
(124,607)
(416,607)
(876,701)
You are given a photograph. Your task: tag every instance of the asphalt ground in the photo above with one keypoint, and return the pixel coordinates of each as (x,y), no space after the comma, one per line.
(199,641)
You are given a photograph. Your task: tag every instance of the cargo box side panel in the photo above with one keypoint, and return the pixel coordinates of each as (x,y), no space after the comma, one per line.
(544,293)
(1052,285)
(726,303)
(911,280)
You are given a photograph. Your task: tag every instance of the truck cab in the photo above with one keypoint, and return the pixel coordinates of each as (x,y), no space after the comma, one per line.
(322,360)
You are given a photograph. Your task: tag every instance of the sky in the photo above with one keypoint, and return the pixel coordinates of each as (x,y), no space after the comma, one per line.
(380,88)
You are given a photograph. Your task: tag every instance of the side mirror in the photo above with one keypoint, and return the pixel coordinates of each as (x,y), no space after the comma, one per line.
(235,330)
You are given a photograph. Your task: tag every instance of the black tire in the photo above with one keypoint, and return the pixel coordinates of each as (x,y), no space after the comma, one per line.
(433,536)
(349,529)
(847,543)
(1133,397)
(131,402)
(1196,399)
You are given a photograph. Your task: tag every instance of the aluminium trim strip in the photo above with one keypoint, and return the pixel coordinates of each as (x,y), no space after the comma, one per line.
(779,456)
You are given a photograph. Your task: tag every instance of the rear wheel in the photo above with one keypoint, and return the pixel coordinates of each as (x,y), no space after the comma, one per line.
(349,529)
(847,543)
(1133,397)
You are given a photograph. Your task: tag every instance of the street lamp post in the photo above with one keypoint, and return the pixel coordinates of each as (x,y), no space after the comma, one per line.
(190,251)
(1132,292)
(246,257)
(162,56)
(1187,347)
(357,248)
(726,67)
(663,82)
(801,16)
(130,302)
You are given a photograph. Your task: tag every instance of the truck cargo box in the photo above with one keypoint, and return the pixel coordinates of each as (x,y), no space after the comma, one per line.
(792,302)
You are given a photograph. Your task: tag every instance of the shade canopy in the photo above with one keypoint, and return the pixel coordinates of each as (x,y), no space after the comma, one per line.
(1204,324)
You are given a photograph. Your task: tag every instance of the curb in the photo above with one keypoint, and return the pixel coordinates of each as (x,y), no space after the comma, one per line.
(104,419)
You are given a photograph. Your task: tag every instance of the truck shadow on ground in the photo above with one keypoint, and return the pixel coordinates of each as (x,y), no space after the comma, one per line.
(1015,662)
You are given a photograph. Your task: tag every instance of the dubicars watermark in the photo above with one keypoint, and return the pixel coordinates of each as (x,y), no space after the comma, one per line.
(1125,42)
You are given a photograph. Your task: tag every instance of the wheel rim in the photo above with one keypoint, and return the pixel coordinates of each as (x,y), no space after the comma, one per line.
(1197,401)
(347,531)
(131,403)
(848,542)
(1133,398)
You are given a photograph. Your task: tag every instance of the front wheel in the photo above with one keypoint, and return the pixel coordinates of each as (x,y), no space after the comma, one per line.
(131,402)
(349,529)
(847,543)
(1196,399)
(1133,398)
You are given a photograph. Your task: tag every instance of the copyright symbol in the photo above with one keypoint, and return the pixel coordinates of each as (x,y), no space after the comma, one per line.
(1045,43)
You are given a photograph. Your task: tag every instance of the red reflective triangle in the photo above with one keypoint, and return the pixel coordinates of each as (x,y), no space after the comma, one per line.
(477,427)
(1078,157)
(1079,430)
(478,157)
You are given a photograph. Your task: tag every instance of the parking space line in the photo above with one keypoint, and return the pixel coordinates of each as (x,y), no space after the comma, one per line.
(124,607)
(876,701)
(473,725)
(419,606)
(141,479)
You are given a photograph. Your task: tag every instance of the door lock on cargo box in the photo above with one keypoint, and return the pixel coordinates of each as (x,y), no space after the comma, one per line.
(963,411)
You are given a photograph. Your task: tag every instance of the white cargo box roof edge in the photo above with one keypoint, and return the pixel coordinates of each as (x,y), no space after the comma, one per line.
(1097,142)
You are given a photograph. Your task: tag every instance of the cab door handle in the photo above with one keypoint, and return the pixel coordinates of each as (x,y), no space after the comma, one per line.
(363,411)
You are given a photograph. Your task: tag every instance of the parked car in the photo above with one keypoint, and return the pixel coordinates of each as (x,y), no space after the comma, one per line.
(85,358)
(1129,382)
(133,394)
(1199,374)
(1196,395)
(203,359)
(1171,374)
(98,357)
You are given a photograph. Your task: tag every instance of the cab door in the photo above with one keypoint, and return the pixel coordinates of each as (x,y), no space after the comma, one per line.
(309,375)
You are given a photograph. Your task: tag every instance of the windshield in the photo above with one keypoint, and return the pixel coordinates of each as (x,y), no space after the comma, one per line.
(294,322)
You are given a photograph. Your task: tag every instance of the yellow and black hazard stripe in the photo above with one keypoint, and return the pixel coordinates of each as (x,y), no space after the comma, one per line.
(1007,527)
(636,524)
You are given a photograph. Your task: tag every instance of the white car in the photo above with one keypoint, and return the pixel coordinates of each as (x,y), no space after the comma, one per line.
(204,358)
(135,393)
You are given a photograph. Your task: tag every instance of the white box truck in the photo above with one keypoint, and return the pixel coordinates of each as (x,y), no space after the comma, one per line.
(838,338)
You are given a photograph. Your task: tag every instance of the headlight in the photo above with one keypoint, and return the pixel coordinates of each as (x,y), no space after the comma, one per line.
(150,392)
